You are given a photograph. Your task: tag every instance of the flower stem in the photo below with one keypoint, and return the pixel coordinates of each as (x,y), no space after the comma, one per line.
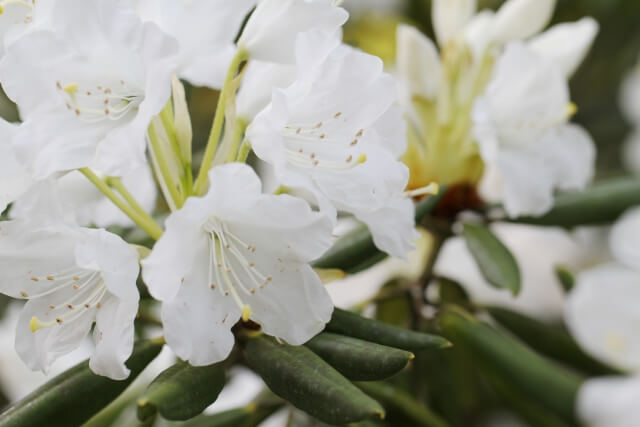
(218,121)
(163,168)
(144,221)
(238,133)
(243,153)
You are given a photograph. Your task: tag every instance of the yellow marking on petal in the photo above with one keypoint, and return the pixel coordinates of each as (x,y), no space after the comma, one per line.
(34,324)
(246,313)
(362,158)
(1,10)
(71,88)
(328,275)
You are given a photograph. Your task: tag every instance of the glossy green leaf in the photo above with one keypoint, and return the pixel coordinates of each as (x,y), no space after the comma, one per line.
(356,251)
(350,324)
(398,399)
(77,394)
(494,260)
(602,203)
(359,360)
(549,340)
(301,377)
(249,416)
(182,391)
(499,354)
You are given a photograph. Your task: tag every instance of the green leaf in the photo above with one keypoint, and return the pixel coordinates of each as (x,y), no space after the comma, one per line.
(77,394)
(359,360)
(300,376)
(602,203)
(549,340)
(494,260)
(182,391)
(350,324)
(356,251)
(565,277)
(400,400)
(515,364)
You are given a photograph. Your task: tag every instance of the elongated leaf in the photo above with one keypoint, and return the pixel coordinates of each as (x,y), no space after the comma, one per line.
(359,360)
(503,356)
(494,260)
(182,391)
(549,340)
(75,395)
(356,251)
(352,325)
(300,376)
(399,399)
(601,204)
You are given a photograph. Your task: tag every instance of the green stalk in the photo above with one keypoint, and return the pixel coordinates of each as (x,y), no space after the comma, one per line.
(238,133)
(163,168)
(218,121)
(145,222)
(244,151)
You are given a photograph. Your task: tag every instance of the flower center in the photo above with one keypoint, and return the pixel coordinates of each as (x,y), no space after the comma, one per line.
(320,146)
(78,291)
(232,270)
(96,103)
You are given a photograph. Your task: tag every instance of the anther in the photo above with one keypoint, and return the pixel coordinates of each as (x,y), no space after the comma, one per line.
(86,305)
(354,142)
(59,320)
(50,278)
(322,136)
(24,294)
(349,158)
(252,290)
(75,287)
(35,279)
(298,131)
(338,114)
(52,307)
(318,126)
(212,286)
(360,132)
(76,278)
(70,306)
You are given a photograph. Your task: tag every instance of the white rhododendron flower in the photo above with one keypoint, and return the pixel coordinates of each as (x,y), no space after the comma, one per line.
(72,278)
(332,132)
(20,17)
(602,310)
(609,401)
(205,30)
(521,125)
(238,253)
(271,32)
(84,203)
(14,177)
(88,87)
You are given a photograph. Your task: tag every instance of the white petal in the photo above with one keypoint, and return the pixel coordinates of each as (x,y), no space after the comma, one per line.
(205,31)
(29,252)
(609,401)
(623,240)
(113,335)
(197,322)
(271,32)
(450,17)
(602,311)
(41,348)
(523,195)
(108,253)
(14,178)
(570,154)
(418,62)
(393,227)
(258,83)
(294,306)
(566,44)
(174,255)
(520,19)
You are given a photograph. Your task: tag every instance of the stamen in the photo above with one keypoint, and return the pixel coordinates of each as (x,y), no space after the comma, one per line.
(431,189)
